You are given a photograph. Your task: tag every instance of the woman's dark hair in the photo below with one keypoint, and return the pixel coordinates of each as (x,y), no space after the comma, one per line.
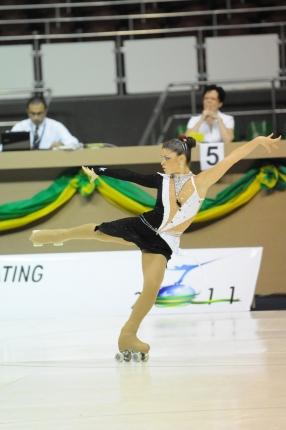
(220,91)
(36,100)
(180,146)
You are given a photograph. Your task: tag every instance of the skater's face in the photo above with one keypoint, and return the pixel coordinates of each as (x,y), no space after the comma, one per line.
(172,162)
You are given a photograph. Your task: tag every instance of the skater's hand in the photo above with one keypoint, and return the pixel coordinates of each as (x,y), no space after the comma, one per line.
(268,142)
(90,173)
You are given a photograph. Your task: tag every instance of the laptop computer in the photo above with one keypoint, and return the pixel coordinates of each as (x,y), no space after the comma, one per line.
(15,141)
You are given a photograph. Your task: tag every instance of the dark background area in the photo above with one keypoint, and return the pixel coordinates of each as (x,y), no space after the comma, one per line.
(121,120)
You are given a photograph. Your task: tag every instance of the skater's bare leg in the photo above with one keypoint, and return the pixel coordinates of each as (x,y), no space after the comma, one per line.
(82,232)
(154,266)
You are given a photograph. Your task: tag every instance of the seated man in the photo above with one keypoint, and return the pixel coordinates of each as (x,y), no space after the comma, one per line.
(214,125)
(45,133)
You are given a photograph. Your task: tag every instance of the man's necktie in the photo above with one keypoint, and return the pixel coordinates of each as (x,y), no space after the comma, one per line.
(37,139)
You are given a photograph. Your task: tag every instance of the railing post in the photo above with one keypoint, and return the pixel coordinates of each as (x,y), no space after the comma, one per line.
(282,51)
(131,27)
(58,15)
(193,100)
(37,60)
(119,60)
(201,56)
(214,23)
(143,11)
(47,30)
(273,105)
(228,6)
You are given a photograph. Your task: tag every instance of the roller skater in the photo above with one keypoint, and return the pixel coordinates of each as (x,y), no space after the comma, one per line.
(156,233)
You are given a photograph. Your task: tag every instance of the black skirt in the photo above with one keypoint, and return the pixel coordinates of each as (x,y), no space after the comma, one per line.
(134,230)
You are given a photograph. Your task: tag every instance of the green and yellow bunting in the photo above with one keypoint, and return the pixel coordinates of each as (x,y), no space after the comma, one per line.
(133,199)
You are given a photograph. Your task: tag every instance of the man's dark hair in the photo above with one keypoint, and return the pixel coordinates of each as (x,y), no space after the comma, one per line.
(220,91)
(36,100)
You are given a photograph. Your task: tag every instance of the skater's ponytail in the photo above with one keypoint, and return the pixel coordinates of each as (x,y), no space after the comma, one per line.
(180,146)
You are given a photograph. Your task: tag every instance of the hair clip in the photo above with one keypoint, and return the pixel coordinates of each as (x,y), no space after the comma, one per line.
(184,145)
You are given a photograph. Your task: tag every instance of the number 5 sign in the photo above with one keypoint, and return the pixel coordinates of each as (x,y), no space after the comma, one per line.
(211,154)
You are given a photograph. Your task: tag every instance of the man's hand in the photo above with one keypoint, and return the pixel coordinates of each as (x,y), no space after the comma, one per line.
(90,173)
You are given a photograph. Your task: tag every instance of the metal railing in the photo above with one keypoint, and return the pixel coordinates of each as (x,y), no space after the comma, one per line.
(130,18)
(83,4)
(120,36)
(157,126)
(47,92)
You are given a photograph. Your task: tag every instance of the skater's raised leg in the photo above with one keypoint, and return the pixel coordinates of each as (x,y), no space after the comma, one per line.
(61,235)
(153,266)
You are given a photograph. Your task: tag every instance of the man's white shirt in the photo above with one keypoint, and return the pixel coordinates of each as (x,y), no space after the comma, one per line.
(49,131)
(212,134)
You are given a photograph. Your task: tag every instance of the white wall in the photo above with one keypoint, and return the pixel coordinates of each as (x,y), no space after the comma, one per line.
(242,57)
(150,65)
(16,69)
(76,69)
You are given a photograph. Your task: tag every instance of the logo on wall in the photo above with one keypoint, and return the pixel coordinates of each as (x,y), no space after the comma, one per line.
(182,293)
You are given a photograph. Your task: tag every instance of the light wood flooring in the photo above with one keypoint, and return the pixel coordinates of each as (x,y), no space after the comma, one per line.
(206,372)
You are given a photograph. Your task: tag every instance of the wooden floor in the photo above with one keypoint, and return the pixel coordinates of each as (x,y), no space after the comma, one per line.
(206,372)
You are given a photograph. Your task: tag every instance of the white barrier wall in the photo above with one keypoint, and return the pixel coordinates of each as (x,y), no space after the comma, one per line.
(242,57)
(16,69)
(89,68)
(105,283)
(151,64)
(78,69)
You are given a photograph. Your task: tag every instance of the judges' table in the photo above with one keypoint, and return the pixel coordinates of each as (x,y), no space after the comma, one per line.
(129,155)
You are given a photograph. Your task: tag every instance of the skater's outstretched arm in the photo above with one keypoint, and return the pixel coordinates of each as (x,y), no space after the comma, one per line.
(151,181)
(209,177)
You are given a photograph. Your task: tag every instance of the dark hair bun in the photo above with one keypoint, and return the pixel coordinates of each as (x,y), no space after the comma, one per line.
(190,141)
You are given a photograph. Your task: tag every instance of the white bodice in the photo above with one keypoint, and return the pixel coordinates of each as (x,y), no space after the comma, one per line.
(186,212)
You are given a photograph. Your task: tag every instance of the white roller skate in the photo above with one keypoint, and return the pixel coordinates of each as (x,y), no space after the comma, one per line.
(131,348)
(131,355)
(47,237)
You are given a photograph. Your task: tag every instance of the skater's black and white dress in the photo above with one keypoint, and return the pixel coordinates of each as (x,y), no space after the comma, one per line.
(157,231)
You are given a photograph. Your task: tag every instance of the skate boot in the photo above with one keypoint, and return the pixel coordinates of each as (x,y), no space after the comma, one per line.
(131,348)
(45,237)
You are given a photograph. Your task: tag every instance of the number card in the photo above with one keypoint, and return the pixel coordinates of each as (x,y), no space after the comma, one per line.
(211,154)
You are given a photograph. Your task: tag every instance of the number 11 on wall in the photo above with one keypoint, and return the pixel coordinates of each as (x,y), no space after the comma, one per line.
(230,300)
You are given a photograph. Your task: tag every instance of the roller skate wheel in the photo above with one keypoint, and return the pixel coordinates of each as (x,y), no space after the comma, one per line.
(127,355)
(123,356)
(145,357)
(136,356)
(119,357)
